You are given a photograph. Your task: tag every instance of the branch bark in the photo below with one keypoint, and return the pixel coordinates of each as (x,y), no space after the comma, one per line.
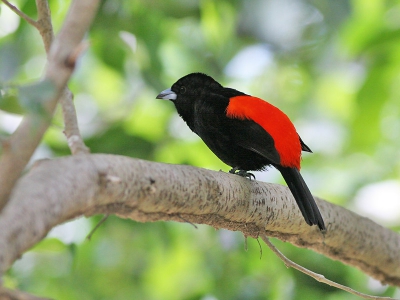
(55,191)
(18,149)
(71,129)
(44,24)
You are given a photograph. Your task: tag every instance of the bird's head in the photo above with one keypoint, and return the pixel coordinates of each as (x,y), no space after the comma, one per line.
(189,88)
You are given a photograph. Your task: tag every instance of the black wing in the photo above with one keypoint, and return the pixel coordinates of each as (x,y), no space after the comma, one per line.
(251,136)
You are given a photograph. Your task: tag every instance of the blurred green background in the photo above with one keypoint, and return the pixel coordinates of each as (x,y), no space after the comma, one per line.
(332,66)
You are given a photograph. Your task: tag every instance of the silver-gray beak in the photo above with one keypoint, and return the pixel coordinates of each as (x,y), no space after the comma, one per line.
(167,95)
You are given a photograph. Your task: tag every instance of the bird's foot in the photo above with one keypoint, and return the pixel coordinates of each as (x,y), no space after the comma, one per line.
(242,173)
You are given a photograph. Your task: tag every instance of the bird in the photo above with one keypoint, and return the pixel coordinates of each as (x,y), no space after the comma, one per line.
(245,132)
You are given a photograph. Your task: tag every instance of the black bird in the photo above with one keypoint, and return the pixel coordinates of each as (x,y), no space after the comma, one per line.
(245,132)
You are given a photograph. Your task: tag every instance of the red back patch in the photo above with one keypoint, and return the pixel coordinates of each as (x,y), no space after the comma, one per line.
(274,121)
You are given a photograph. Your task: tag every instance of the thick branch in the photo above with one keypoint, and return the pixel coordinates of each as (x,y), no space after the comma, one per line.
(19,148)
(58,190)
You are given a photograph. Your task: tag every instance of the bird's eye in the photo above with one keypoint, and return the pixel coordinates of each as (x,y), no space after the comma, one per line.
(182,90)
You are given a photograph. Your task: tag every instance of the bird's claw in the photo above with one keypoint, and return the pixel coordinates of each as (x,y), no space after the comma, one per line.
(242,173)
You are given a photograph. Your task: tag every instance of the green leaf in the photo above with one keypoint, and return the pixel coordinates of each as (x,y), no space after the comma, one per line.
(9,101)
(32,97)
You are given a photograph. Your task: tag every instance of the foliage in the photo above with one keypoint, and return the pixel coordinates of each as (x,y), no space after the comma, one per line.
(332,66)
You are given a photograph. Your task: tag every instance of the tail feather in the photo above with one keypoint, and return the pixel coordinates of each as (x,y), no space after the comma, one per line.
(303,197)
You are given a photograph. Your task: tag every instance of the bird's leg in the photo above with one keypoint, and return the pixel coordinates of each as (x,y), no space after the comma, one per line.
(242,173)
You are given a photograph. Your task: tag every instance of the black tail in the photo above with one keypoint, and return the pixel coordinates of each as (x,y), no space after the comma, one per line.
(303,196)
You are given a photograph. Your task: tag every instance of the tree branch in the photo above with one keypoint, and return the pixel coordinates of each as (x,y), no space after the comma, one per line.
(21,14)
(58,190)
(71,129)
(23,142)
(45,26)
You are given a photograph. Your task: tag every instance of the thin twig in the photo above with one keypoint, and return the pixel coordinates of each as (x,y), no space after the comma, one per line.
(21,14)
(89,236)
(45,25)
(71,129)
(186,221)
(321,278)
(259,244)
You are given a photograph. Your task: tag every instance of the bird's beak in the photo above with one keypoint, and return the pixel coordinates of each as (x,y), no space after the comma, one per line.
(167,95)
